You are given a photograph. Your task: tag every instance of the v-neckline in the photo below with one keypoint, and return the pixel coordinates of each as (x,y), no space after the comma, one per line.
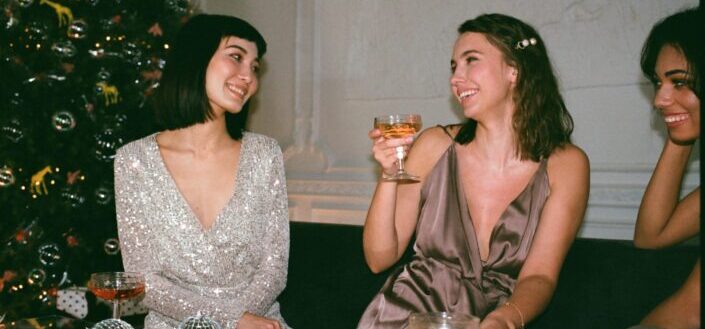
(465,205)
(181,196)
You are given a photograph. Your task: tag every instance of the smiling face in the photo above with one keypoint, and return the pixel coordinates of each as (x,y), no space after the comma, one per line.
(674,99)
(231,76)
(481,80)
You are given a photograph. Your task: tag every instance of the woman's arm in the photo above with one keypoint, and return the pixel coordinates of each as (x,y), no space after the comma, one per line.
(391,218)
(569,180)
(682,309)
(270,279)
(663,220)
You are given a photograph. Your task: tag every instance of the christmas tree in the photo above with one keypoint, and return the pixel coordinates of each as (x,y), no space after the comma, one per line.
(75,81)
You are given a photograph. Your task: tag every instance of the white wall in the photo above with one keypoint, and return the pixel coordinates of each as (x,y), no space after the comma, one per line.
(333,65)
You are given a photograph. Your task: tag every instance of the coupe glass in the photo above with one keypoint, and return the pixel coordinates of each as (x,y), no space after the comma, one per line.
(116,286)
(443,320)
(399,126)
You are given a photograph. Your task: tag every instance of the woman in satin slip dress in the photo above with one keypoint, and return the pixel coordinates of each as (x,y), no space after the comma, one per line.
(672,58)
(202,206)
(500,198)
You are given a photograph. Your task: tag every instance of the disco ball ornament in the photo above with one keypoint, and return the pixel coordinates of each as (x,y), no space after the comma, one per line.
(107,143)
(199,322)
(25,3)
(7,177)
(72,196)
(111,246)
(64,49)
(50,254)
(12,130)
(63,121)
(103,195)
(78,29)
(112,324)
(36,277)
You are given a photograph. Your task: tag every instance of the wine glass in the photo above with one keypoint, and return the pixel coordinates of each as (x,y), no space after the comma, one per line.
(116,286)
(399,126)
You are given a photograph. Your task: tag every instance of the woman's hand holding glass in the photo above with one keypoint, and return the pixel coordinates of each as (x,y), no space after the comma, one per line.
(392,137)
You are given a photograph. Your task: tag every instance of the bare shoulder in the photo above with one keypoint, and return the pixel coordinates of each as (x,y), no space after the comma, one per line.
(428,147)
(568,163)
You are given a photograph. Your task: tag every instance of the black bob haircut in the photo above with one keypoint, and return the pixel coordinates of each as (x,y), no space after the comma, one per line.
(180,100)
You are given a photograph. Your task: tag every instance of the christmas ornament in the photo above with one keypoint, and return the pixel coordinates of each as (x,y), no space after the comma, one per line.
(63,121)
(199,322)
(103,74)
(109,92)
(64,49)
(63,13)
(72,196)
(78,29)
(112,324)
(49,254)
(13,130)
(25,3)
(103,195)
(93,2)
(106,144)
(111,246)
(38,185)
(36,277)
(7,176)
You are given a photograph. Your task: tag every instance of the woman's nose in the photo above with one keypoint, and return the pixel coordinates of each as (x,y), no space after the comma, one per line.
(663,97)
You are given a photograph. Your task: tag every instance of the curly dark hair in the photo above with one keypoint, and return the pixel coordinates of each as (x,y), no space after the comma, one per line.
(541,121)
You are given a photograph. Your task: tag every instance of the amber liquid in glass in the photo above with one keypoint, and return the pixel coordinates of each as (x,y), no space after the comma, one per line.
(118,293)
(398,130)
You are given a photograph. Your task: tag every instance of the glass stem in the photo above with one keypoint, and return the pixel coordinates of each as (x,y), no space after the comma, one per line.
(400,157)
(116,309)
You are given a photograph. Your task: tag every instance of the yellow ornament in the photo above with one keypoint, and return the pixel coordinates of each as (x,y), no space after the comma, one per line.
(110,92)
(62,12)
(38,184)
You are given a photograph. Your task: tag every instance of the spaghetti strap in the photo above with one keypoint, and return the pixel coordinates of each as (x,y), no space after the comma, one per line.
(445,130)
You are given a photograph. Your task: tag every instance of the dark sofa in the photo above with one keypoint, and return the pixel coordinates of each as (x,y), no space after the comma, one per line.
(604,283)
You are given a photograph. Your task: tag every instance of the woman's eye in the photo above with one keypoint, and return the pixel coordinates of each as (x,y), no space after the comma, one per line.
(236,57)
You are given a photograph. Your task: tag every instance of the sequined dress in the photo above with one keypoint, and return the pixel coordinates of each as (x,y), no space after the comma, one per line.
(446,272)
(238,265)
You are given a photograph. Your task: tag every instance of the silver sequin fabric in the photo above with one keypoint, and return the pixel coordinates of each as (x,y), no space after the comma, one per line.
(238,265)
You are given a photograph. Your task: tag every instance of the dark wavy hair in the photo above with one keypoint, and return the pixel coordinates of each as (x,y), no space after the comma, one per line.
(684,31)
(180,100)
(541,121)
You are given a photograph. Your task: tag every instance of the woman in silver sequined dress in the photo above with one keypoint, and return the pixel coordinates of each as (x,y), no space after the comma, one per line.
(202,206)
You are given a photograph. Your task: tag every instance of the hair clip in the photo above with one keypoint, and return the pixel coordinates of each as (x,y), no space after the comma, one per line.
(525,43)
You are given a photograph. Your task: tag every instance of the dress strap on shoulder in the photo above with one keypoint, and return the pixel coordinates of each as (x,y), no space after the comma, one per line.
(445,129)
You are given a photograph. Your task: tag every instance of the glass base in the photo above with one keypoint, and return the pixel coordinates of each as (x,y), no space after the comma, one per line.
(401,176)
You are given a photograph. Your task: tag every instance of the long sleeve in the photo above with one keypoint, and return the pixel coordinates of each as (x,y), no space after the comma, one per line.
(270,279)
(176,291)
